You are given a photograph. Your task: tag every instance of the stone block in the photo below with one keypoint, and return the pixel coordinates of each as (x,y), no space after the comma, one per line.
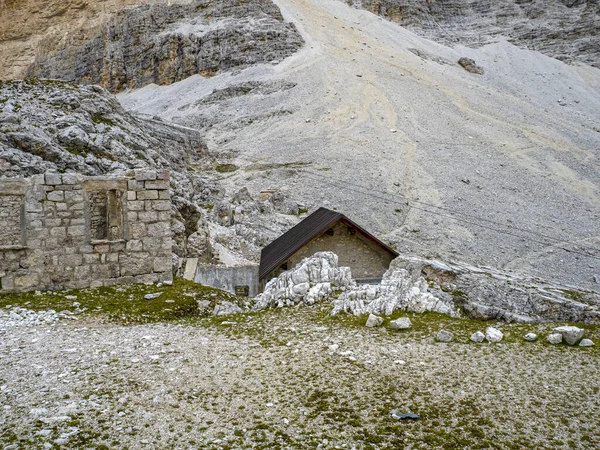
(126,280)
(163,264)
(61,206)
(25,282)
(131,195)
(149,278)
(53,179)
(145,175)
(164,195)
(70,178)
(158,185)
(134,245)
(55,196)
(135,205)
(76,231)
(152,244)
(58,232)
(8,283)
(77,221)
(137,230)
(164,216)
(159,205)
(162,175)
(132,185)
(91,258)
(147,195)
(132,216)
(70,260)
(74,196)
(101,248)
(148,216)
(135,264)
(159,229)
(82,272)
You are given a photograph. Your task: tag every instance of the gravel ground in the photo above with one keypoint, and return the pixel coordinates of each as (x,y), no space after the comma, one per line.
(293,378)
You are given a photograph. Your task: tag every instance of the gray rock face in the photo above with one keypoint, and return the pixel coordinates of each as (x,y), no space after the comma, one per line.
(493,335)
(489,294)
(478,337)
(164,43)
(374,321)
(564,29)
(403,323)
(554,338)
(444,336)
(51,125)
(571,335)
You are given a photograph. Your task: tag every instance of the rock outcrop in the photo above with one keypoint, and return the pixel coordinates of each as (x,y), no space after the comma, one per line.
(163,43)
(314,279)
(52,125)
(565,29)
(399,291)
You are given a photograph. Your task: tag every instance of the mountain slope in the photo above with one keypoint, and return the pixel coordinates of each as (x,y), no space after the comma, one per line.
(500,168)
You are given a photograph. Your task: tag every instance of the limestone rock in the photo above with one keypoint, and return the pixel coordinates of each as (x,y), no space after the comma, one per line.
(400,290)
(403,323)
(374,321)
(555,338)
(493,335)
(531,337)
(566,30)
(165,42)
(226,308)
(586,343)
(478,337)
(444,336)
(470,66)
(571,335)
(311,281)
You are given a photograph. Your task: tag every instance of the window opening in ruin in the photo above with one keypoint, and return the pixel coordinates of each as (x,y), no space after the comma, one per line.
(329,232)
(11,215)
(351,231)
(106,215)
(243,291)
(284,266)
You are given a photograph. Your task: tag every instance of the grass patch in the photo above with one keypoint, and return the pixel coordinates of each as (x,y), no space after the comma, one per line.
(98,118)
(126,304)
(226,168)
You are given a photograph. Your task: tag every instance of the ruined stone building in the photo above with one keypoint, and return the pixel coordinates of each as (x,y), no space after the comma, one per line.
(69,231)
(326,230)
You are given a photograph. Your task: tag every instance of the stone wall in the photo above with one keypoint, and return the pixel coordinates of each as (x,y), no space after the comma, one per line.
(241,280)
(70,231)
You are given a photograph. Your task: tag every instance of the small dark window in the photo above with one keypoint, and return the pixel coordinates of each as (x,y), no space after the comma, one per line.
(329,232)
(243,291)
(284,266)
(351,231)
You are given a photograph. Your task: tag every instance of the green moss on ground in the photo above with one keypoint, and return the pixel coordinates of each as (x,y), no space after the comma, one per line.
(126,304)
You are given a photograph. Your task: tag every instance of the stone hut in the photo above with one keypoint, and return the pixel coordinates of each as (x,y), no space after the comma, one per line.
(326,230)
(64,231)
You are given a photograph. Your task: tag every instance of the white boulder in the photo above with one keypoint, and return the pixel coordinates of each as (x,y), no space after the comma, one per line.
(374,321)
(571,335)
(493,335)
(586,343)
(478,336)
(312,280)
(531,337)
(403,323)
(555,338)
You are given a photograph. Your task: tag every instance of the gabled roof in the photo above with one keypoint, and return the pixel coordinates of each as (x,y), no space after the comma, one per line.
(278,251)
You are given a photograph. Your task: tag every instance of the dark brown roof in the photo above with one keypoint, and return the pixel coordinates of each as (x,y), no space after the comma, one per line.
(278,251)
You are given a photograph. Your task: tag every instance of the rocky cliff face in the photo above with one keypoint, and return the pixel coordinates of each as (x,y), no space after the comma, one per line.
(59,126)
(164,43)
(564,29)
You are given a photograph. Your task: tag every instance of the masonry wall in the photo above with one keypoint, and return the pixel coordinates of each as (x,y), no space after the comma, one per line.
(241,280)
(69,231)
(366,259)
